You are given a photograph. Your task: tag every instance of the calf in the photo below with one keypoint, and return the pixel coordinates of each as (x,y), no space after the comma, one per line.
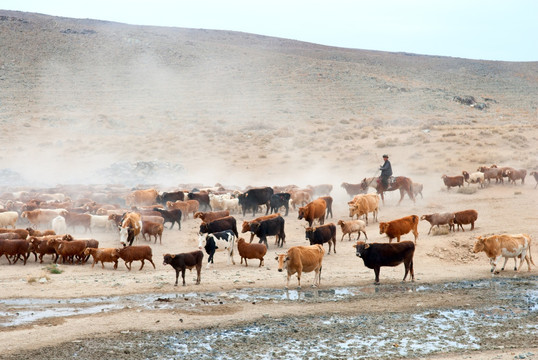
(312,211)
(299,259)
(465,217)
(181,262)
(376,255)
(352,226)
(329,203)
(439,219)
(225,223)
(172,215)
(321,235)
(136,253)
(278,200)
(269,227)
(251,251)
(397,228)
(152,229)
(103,255)
(226,240)
(507,246)
(452,181)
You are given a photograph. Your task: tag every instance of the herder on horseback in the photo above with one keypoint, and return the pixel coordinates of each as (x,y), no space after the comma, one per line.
(386,172)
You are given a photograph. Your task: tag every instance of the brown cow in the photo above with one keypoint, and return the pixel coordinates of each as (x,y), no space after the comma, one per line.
(299,259)
(136,253)
(211,215)
(312,211)
(68,250)
(103,255)
(74,219)
(465,217)
(130,228)
(397,228)
(14,247)
(251,251)
(152,229)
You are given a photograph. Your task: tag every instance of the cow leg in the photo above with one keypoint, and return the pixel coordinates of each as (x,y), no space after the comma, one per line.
(198,272)
(472,225)
(183,275)
(151,261)
(128,265)
(299,272)
(505,261)
(364,232)
(177,276)
(251,236)
(376,271)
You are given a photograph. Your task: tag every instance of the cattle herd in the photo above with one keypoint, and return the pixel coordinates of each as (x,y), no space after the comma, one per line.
(40,222)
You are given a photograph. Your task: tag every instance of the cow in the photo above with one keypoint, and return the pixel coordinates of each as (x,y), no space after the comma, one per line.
(329,204)
(142,198)
(514,175)
(40,245)
(397,228)
(170,196)
(378,254)
(211,215)
(130,228)
(452,181)
(299,259)
(278,200)
(16,248)
(225,223)
(219,240)
(9,218)
(312,211)
(252,198)
(321,235)
(507,246)
(269,227)
(103,255)
(183,261)
(352,189)
(246,224)
(535,175)
(320,190)
(152,229)
(251,251)
(172,216)
(300,197)
(69,249)
(363,204)
(136,253)
(73,220)
(203,199)
(42,216)
(465,217)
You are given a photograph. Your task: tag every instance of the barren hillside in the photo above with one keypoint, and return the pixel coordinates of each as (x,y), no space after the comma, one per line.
(81,97)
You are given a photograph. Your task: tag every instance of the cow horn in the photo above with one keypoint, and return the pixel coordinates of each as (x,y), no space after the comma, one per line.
(366,246)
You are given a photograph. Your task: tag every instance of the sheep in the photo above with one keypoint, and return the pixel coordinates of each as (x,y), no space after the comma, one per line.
(251,251)
(103,255)
(351,226)
(439,219)
(452,181)
(474,178)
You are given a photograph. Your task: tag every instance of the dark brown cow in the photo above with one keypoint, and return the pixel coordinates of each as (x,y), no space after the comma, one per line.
(183,261)
(376,255)
(465,217)
(321,235)
(136,253)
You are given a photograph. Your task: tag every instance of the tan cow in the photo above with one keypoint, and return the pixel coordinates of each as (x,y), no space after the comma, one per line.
(507,246)
(142,198)
(301,259)
(364,204)
(42,216)
(130,228)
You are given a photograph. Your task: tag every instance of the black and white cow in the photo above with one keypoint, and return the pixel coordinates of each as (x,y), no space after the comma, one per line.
(224,240)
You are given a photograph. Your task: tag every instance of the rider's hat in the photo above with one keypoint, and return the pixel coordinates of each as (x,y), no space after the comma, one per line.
(385,156)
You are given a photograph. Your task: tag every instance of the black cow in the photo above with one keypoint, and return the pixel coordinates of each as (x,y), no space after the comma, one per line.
(181,262)
(170,196)
(279,200)
(329,202)
(254,197)
(269,227)
(382,254)
(321,235)
(225,223)
(226,240)
(172,215)
(203,199)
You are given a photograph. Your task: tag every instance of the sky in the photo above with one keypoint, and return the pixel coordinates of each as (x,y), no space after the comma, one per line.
(473,29)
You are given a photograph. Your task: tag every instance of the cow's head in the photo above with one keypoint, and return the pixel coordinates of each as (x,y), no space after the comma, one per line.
(360,247)
(282,261)
(254,226)
(383,227)
(167,259)
(479,244)
(426,217)
(309,234)
(124,234)
(302,211)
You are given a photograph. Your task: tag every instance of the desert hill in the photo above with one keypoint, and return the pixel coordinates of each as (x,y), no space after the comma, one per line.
(81,98)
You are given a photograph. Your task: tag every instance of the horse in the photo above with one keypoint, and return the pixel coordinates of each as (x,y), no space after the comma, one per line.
(401,183)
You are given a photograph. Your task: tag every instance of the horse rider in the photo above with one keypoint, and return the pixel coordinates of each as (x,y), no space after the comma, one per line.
(386,172)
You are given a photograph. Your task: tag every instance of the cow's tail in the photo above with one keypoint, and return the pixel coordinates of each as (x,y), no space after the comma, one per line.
(530,252)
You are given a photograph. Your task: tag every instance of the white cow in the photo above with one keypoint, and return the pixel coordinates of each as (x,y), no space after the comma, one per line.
(58,225)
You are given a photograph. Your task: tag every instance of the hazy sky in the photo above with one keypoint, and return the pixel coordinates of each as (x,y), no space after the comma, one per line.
(476,29)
